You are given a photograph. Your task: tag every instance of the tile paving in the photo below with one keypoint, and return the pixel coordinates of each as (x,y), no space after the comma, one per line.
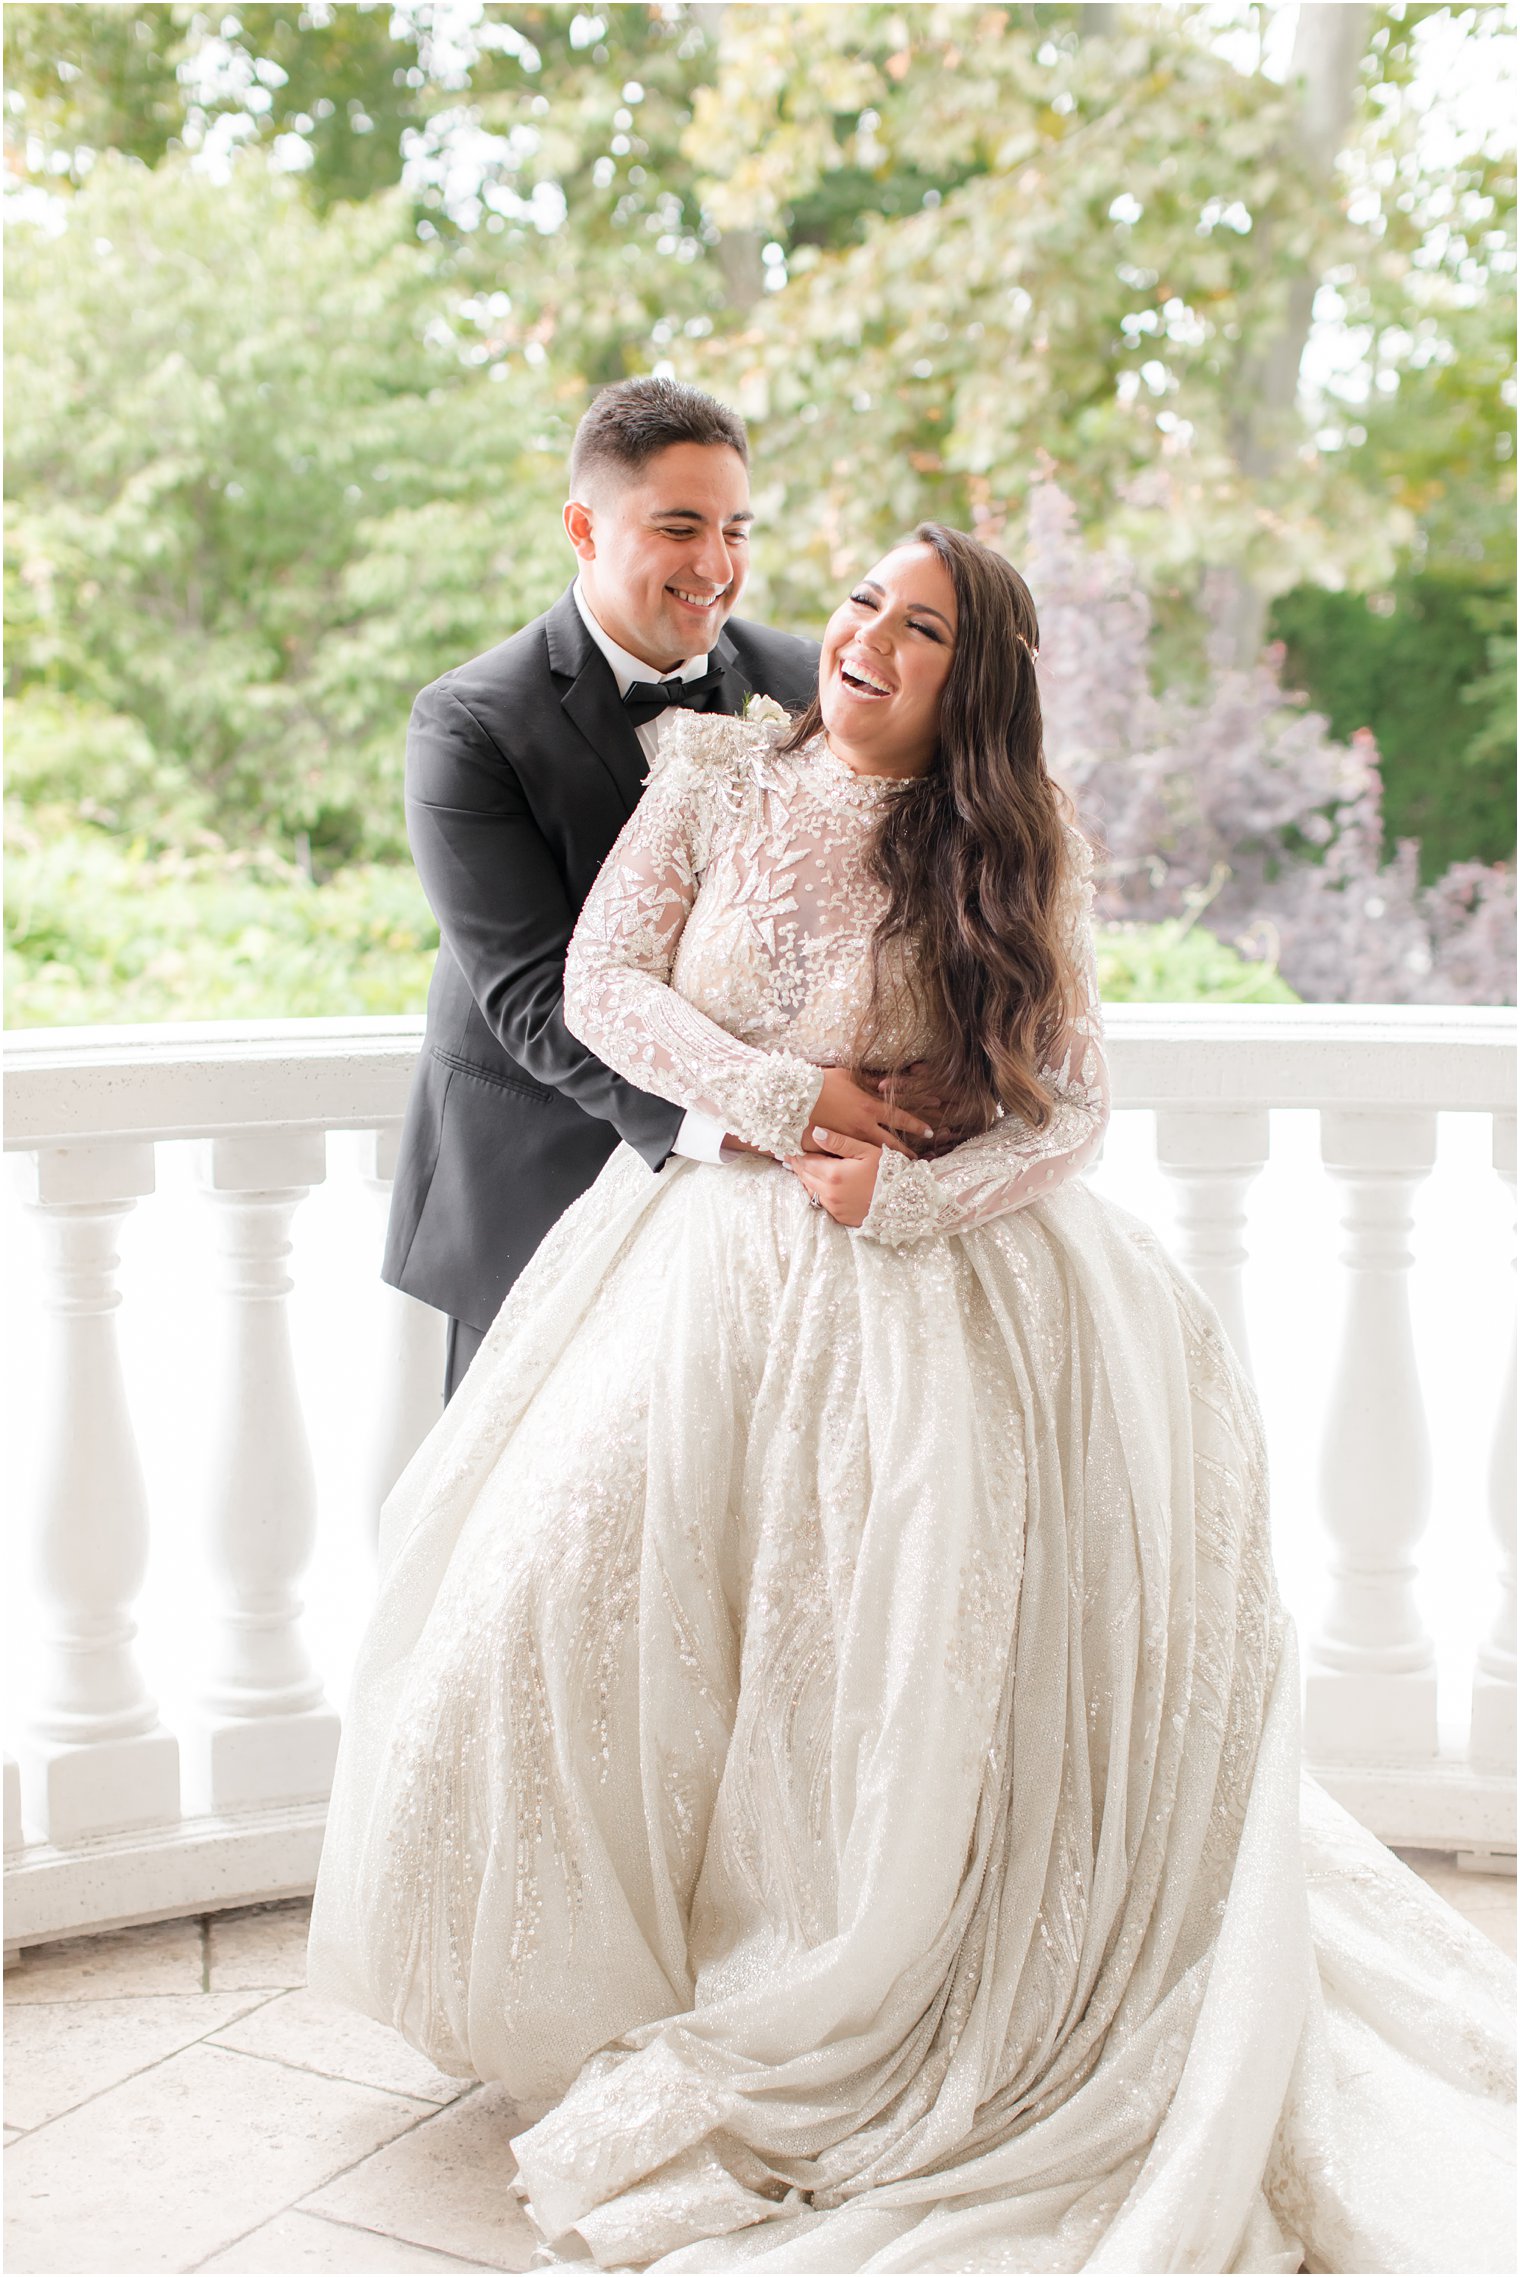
(177,2101)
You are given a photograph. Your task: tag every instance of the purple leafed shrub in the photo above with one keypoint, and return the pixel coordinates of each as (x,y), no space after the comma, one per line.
(1242,805)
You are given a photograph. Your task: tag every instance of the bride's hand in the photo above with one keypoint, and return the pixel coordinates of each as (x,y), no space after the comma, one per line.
(847,1111)
(842,1177)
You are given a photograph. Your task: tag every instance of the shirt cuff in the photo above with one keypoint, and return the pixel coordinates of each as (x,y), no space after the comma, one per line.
(700,1137)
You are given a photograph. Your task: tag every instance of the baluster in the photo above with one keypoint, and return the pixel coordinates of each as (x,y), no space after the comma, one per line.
(14,1836)
(94,1758)
(263,1732)
(409,1359)
(1370,1691)
(1493,1705)
(1211,1157)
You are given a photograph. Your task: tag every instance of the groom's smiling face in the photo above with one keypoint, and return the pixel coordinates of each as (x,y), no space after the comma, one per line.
(664,549)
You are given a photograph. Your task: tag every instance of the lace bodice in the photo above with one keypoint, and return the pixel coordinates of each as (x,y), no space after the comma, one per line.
(723,959)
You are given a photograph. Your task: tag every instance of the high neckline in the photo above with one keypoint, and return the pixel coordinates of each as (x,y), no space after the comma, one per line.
(841,778)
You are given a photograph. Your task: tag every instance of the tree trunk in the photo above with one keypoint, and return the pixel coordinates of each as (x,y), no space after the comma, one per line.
(738,250)
(1328,43)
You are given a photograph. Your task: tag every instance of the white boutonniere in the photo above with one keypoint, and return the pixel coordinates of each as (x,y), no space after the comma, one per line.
(764,711)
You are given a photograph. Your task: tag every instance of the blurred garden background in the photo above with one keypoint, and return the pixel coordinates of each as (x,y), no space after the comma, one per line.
(1203,313)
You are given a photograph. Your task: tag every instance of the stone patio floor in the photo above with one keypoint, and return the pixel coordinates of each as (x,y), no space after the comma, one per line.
(175,2100)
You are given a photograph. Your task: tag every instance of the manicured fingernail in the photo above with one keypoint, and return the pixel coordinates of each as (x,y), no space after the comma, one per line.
(821,1136)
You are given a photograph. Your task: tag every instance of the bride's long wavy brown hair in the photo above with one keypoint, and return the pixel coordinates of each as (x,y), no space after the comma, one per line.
(974,861)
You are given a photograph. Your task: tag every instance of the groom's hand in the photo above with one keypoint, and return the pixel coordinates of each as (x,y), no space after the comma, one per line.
(904,1088)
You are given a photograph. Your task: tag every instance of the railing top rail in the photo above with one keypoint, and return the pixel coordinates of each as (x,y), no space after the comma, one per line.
(1455,1057)
(198,1078)
(67,1086)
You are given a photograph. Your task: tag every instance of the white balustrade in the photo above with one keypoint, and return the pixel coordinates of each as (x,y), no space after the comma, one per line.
(1370,1686)
(1493,1704)
(264,1733)
(94,1758)
(409,1360)
(1210,1159)
(98,1828)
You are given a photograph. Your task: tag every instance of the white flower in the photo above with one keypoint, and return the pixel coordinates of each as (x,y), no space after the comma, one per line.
(764,711)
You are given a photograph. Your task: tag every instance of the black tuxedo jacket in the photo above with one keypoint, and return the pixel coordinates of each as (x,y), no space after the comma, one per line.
(521,769)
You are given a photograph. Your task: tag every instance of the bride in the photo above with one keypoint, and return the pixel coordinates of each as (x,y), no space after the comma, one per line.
(828,1737)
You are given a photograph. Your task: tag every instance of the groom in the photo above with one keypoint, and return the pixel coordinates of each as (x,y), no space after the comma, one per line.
(521,768)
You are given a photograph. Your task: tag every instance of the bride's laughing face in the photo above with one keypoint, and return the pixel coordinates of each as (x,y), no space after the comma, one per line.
(886,658)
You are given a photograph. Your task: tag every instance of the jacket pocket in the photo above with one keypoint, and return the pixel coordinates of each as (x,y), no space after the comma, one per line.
(524,1084)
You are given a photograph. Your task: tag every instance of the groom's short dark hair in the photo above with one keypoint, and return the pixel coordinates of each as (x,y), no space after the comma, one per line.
(634,418)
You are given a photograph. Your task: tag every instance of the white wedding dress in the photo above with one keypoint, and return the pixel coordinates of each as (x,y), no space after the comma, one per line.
(829,1732)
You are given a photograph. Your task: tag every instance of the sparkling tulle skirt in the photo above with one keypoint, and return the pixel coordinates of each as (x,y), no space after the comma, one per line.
(829,1732)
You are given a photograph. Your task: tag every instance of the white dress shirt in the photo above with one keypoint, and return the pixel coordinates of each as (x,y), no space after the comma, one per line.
(700,1136)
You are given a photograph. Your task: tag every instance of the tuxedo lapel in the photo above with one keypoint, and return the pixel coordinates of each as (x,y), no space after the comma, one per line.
(591,702)
(737,689)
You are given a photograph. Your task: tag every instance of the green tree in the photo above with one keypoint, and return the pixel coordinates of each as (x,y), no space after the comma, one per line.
(83,80)
(304,304)
(1097,277)
(246,524)
(1432,672)
(1095,232)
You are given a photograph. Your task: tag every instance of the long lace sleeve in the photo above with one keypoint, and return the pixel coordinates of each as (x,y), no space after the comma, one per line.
(1012,1163)
(618,997)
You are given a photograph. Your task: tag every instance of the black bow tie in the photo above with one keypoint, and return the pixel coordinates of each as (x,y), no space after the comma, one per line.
(646,699)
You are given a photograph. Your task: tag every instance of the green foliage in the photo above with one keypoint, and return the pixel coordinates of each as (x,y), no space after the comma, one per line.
(261,521)
(345,81)
(1432,673)
(98,931)
(68,759)
(1176,962)
(305,302)
(997,234)
(338,79)
(92,78)
(1436,431)
(101,931)
(1029,311)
